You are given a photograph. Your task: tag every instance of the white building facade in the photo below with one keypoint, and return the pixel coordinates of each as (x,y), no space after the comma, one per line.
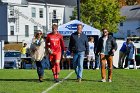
(22,18)
(131,26)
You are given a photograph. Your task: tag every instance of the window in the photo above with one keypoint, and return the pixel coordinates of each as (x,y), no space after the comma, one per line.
(11,8)
(121,24)
(11,30)
(35,29)
(44,29)
(41,12)
(26,30)
(130,2)
(11,13)
(33,12)
(54,14)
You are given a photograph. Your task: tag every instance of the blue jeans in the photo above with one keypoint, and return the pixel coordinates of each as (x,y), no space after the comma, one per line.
(46,62)
(78,59)
(97,61)
(40,68)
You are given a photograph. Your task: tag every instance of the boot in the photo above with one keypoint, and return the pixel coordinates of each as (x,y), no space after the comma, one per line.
(41,78)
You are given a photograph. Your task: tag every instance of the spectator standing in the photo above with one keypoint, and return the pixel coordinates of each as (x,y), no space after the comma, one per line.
(91,54)
(131,55)
(66,58)
(38,53)
(97,61)
(55,46)
(23,50)
(78,46)
(123,53)
(106,47)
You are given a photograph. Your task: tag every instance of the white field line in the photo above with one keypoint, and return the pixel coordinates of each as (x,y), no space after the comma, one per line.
(48,89)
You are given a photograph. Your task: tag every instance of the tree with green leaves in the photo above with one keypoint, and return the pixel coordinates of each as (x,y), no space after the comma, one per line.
(100,14)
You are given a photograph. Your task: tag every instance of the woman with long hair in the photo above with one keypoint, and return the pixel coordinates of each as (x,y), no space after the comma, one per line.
(38,53)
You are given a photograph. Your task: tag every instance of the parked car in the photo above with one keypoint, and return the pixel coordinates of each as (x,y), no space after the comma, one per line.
(12,59)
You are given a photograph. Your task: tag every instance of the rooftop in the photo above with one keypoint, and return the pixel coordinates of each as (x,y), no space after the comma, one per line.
(131,12)
(59,2)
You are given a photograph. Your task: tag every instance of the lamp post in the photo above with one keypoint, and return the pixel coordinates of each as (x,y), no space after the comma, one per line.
(78,9)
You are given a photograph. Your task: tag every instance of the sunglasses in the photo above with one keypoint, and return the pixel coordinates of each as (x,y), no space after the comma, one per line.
(105,31)
(39,33)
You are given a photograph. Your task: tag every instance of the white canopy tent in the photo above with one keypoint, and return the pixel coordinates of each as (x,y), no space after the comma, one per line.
(67,29)
(70,27)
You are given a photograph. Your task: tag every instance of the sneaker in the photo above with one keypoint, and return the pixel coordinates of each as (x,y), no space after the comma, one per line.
(109,80)
(79,80)
(135,67)
(97,68)
(56,80)
(103,80)
(40,79)
(126,68)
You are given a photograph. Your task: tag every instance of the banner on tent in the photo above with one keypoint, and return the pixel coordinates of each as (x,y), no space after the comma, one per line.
(70,32)
(68,28)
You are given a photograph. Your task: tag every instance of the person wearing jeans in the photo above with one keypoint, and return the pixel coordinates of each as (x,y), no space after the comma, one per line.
(131,55)
(97,61)
(123,53)
(38,53)
(78,47)
(106,47)
(40,69)
(78,59)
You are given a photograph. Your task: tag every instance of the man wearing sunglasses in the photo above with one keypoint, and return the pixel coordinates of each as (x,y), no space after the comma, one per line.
(106,47)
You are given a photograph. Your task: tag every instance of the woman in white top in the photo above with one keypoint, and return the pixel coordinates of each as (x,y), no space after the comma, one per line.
(91,55)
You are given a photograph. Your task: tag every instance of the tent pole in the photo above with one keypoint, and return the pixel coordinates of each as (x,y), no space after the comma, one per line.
(78,9)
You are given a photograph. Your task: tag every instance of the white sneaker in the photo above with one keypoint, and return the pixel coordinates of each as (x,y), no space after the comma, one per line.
(109,80)
(103,80)
(135,67)
(126,68)
(97,68)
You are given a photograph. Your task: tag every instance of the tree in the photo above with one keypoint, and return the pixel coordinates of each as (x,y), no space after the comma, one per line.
(100,14)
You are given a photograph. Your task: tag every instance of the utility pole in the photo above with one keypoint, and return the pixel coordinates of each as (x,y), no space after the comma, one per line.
(78,9)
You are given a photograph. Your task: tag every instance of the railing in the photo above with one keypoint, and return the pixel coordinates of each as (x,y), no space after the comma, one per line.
(15,38)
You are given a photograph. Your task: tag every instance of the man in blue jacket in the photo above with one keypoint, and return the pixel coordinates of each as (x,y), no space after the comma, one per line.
(78,46)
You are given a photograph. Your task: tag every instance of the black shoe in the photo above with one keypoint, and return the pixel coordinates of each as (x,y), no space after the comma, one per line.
(56,80)
(41,79)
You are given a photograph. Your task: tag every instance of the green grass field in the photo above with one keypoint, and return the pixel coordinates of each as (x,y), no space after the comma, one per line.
(26,81)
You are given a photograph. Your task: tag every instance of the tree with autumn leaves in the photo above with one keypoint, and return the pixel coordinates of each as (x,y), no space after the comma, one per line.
(100,14)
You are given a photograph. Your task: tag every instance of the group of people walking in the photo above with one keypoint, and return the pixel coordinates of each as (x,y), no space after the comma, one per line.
(79,47)
(52,45)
